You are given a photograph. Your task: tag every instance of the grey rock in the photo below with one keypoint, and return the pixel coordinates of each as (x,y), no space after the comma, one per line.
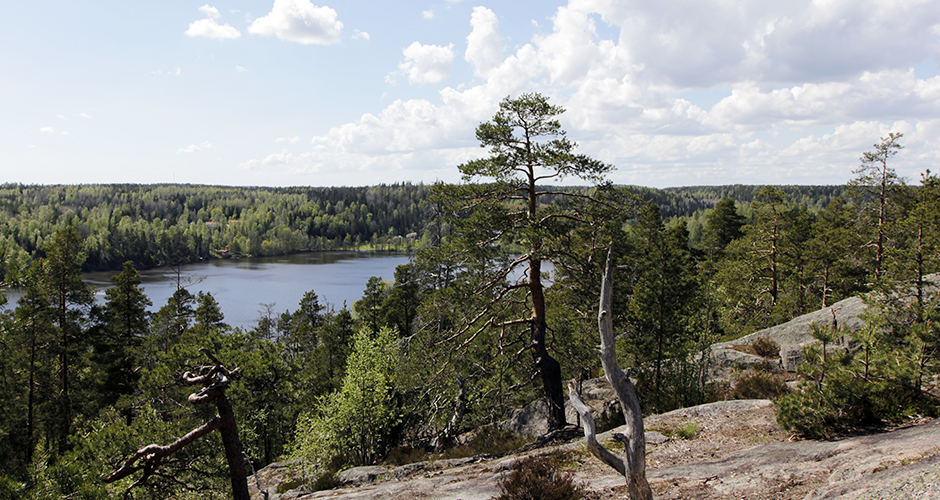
(654,437)
(791,336)
(362,475)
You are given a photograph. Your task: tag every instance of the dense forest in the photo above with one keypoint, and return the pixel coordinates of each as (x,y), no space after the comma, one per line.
(452,343)
(166,225)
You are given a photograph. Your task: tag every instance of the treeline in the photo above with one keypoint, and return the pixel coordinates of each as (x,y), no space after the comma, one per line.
(173,224)
(160,225)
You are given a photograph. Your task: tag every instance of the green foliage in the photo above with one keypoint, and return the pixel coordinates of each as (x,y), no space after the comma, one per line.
(538,478)
(724,225)
(881,382)
(881,195)
(174,224)
(842,404)
(123,324)
(357,422)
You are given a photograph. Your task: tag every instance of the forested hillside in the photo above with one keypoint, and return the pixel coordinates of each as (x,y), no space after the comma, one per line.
(447,346)
(170,224)
(159,225)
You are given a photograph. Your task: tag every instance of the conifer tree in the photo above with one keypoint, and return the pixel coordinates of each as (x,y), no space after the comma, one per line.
(527,149)
(881,195)
(126,321)
(71,299)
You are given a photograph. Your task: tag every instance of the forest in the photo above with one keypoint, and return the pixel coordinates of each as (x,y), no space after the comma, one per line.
(451,344)
(166,225)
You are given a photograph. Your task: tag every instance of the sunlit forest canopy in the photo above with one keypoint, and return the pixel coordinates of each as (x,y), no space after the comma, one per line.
(168,224)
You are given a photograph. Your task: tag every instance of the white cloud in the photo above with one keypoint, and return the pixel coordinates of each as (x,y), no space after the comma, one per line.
(46,130)
(173,72)
(84,115)
(360,34)
(210,27)
(64,132)
(484,47)
(428,14)
(800,90)
(240,69)
(299,21)
(61,117)
(192,148)
(288,140)
(427,63)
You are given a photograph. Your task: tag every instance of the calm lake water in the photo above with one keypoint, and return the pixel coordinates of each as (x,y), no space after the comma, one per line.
(242,286)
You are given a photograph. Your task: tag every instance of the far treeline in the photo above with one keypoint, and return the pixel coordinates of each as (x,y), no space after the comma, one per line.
(167,225)
(466,332)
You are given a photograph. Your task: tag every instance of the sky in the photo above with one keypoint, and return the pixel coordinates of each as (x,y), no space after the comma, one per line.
(352,93)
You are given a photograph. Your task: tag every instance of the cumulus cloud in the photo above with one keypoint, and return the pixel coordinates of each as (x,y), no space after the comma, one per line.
(193,148)
(484,47)
(288,140)
(210,27)
(360,35)
(428,14)
(427,63)
(46,130)
(299,21)
(800,90)
(240,69)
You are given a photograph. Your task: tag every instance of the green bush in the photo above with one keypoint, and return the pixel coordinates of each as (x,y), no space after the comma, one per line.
(825,412)
(881,382)
(354,425)
(538,478)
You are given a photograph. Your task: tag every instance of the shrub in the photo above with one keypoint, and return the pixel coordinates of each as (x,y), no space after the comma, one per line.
(824,412)
(538,478)
(881,382)
(490,442)
(766,348)
(753,384)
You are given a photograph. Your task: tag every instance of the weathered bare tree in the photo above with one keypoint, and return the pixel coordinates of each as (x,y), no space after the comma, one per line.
(214,379)
(633,466)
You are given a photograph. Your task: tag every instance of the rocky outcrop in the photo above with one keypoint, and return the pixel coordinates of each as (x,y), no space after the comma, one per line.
(791,336)
(737,452)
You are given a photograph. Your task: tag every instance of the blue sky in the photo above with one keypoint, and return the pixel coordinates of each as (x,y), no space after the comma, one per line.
(292,92)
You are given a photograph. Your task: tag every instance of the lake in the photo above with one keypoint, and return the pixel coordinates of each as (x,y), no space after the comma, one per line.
(244,286)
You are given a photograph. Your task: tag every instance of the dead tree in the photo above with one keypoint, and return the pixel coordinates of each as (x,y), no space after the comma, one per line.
(633,467)
(214,379)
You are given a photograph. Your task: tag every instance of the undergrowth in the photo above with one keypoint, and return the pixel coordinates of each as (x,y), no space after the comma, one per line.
(539,478)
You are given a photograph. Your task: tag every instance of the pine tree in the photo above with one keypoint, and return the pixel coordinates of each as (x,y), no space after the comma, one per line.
(126,321)
(71,299)
(881,195)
